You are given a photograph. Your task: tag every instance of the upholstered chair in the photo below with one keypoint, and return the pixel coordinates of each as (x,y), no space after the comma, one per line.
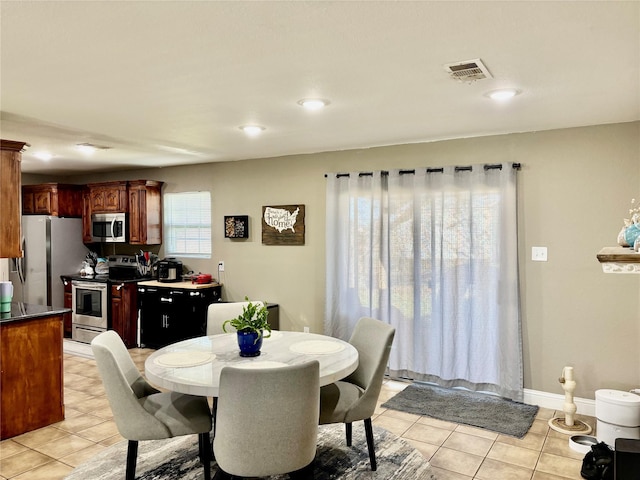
(267,421)
(143,413)
(218,313)
(355,397)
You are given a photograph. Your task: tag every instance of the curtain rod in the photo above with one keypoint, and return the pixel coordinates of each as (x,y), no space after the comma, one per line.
(468,168)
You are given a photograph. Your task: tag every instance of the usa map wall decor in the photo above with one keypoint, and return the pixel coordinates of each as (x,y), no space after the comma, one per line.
(283,225)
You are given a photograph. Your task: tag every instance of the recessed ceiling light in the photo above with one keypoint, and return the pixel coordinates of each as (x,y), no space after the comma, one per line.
(313,103)
(503,94)
(86,148)
(46,156)
(252,130)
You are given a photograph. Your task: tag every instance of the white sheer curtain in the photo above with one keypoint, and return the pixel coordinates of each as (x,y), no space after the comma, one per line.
(433,253)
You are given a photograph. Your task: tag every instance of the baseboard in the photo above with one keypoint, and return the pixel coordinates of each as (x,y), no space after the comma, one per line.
(77,348)
(555,401)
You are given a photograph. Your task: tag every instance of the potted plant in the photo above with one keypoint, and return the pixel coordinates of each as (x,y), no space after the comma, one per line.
(250,325)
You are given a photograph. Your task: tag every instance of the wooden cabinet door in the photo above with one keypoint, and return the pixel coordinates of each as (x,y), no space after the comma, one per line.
(86,217)
(44,203)
(96,200)
(124,315)
(152,318)
(10,197)
(137,232)
(69,202)
(145,212)
(67,303)
(28,203)
(112,201)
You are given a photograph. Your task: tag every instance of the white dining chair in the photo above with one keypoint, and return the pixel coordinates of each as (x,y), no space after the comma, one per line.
(218,313)
(267,421)
(355,397)
(143,413)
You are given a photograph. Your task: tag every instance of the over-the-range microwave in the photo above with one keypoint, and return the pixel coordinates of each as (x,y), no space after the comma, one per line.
(109,227)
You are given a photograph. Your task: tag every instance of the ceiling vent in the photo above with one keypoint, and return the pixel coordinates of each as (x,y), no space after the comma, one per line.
(468,70)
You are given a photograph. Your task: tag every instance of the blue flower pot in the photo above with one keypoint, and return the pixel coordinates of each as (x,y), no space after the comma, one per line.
(249,343)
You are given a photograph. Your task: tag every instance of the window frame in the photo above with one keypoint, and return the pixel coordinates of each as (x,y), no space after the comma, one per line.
(196,207)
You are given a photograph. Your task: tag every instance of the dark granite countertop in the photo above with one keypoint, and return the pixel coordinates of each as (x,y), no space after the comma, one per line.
(26,311)
(103,278)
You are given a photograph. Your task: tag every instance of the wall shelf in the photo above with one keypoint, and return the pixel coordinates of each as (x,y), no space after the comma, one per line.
(619,260)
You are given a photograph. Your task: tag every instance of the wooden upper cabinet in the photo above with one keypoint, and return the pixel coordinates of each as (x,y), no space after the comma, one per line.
(145,212)
(10,218)
(108,197)
(60,200)
(86,217)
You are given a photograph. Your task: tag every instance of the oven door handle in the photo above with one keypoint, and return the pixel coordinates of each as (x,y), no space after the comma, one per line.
(89,285)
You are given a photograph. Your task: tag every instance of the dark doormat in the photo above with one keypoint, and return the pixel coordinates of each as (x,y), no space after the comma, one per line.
(470,408)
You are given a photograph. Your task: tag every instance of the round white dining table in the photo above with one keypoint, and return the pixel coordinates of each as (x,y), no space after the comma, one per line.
(193,366)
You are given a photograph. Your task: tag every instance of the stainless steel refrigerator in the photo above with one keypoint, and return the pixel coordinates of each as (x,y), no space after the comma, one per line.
(52,247)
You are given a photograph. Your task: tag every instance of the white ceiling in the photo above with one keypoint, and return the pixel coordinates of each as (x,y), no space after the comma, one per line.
(169,82)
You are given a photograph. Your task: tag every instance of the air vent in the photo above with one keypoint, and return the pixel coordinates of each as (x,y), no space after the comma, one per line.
(468,70)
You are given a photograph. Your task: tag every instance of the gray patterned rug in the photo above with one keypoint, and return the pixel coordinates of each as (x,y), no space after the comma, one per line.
(462,406)
(177,458)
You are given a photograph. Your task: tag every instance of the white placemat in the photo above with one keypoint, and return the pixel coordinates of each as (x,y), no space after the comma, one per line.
(184,359)
(261,364)
(316,347)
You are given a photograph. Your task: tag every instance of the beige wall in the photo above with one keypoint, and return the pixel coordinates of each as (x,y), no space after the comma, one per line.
(575,187)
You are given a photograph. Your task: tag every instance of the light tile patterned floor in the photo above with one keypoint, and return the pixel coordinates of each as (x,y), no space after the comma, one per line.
(456,452)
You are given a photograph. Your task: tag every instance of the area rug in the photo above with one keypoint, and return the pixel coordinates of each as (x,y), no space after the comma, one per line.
(462,406)
(177,458)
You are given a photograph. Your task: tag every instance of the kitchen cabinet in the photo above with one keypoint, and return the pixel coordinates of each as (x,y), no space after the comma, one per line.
(124,314)
(31,378)
(10,178)
(145,212)
(86,217)
(57,199)
(169,314)
(107,197)
(67,317)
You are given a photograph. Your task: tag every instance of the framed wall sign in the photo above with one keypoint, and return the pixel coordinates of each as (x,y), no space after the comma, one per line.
(236,226)
(283,225)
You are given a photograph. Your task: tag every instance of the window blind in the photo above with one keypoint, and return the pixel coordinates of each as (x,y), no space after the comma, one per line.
(187,224)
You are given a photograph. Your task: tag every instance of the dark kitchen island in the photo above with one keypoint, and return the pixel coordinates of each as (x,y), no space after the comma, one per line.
(31,375)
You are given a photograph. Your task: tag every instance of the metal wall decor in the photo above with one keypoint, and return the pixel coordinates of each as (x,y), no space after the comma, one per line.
(283,225)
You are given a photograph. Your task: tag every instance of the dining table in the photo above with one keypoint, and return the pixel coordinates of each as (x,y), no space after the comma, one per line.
(193,366)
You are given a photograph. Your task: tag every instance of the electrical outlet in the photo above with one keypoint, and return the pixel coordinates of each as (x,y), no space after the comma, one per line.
(539,254)
(306,329)
(221,266)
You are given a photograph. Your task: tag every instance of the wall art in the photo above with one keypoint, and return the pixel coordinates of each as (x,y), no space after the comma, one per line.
(283,225)
(236,226)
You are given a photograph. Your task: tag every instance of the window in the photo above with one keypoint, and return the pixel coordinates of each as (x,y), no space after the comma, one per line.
(187,224)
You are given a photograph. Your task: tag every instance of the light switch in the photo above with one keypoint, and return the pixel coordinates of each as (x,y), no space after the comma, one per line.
(539,254)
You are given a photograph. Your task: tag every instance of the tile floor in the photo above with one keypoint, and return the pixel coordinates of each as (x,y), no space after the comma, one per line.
(456,452)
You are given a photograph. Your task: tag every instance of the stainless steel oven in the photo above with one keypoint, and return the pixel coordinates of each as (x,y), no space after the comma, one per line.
(89,317)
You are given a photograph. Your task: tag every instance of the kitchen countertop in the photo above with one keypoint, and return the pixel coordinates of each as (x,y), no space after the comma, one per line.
(26,311)
(101,278)
(182,285)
